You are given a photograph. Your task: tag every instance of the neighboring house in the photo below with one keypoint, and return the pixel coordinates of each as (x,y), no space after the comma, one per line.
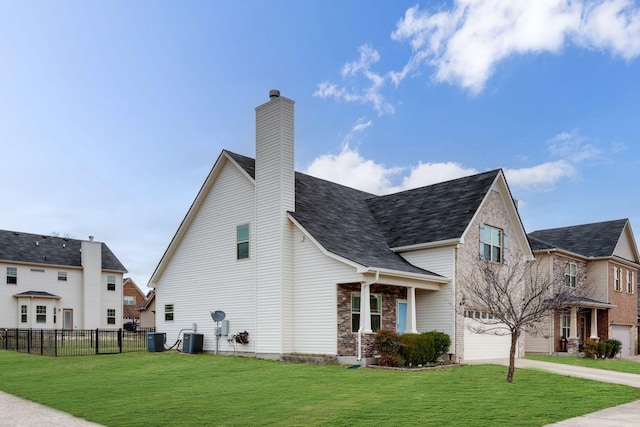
(309,266)
(132,297)
(602,257)
(148,311)
(55,282)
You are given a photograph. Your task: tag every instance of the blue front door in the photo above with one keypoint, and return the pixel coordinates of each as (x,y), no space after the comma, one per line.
(401,321)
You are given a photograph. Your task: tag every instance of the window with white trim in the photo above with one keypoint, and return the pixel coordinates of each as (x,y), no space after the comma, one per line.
(111,316)
(168,312)
(629,282)
(492,243)
(616,280)
(12,276)
(375,306)
(565,326)
(570,270)
(62,276)
(129,300)
(41,314)
(111,283)
(23,314)
(242,241)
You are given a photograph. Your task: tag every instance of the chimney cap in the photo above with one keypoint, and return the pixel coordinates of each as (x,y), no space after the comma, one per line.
(274,93)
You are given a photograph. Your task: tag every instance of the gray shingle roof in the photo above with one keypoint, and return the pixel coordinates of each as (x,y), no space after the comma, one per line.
(50,250)
(592,240)
(362,227)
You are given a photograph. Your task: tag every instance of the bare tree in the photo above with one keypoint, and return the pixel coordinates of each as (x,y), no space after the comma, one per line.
(514,298)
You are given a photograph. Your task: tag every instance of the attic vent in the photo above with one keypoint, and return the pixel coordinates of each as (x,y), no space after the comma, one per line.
(274,93)
(37,243)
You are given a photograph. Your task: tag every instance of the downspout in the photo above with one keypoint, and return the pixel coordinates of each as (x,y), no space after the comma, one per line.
(368,284)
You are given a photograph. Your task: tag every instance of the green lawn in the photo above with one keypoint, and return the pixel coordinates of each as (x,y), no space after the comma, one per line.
(165,389)
(620,365)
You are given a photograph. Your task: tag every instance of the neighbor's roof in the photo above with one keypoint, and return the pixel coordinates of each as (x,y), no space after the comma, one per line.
(50,250)
(363,227)
(592,240)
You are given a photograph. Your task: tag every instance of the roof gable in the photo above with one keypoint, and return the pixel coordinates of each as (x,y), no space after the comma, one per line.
(433,213)
(591,240)
(38,249)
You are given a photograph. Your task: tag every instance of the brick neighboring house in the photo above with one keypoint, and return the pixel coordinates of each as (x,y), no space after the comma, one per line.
(132,298)
(602,257)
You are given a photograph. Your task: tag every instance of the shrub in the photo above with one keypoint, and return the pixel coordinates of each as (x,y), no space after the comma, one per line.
(604,348)
(613,347)
(417,349)
(441,343)
(590,349)
(387,345)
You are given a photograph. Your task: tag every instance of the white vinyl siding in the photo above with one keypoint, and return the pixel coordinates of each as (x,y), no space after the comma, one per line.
(203,274)
(316,277)
(434,308)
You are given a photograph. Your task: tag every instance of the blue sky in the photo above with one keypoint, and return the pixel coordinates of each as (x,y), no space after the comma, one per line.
(112,113)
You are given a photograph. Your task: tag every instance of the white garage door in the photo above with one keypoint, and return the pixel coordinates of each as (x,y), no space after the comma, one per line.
(484,346)
(622,334)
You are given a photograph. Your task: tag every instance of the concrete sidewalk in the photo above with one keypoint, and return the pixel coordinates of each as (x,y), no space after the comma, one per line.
(627,415)
(18,412)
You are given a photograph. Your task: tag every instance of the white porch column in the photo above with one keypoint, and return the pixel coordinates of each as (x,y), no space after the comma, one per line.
(411,311)
(573,324)
(594,324)
(365,309)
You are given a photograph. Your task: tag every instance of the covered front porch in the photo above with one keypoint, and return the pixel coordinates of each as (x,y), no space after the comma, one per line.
(383,303)
(582,320)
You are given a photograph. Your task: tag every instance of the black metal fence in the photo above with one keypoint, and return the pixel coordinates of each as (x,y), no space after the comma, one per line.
(76,342)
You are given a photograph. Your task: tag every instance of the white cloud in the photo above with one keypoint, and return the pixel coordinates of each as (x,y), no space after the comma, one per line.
(351,169)
(359,72)
(542,177)
(465,44)
(572,147)
(431,173)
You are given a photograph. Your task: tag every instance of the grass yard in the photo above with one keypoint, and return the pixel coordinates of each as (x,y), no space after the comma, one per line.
(620,365)
(171,389)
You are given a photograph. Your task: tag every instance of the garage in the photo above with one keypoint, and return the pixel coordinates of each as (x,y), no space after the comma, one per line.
(622,333)
(484,346)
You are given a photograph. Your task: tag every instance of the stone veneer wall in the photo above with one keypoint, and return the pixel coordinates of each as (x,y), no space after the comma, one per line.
(348,340)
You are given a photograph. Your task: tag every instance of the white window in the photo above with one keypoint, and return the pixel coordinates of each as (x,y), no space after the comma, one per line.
(12,276)
(62,276)
(129,300)
(630,282)
(41,313)
(375,305)
(570,274)
(242,241)
(492,244)
(616,279)
(111,283)
(23,314)
(168,312)
(111,316)
(565,326)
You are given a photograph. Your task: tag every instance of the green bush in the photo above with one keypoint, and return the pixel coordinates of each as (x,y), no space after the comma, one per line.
(387,345)
(613,347)
(417,349)
(604,348)
(441,343)
(590,349)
